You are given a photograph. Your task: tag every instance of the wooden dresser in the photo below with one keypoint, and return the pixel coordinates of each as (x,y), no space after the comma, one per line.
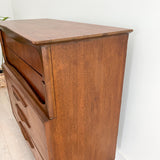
(65,84)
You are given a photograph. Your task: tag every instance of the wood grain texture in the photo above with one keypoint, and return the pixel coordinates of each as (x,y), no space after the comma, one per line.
(29,54)
(68,101)
(24,87)
(32,77)
(88,89)
(23,130)
(43,31)
(36,120)
(49,81)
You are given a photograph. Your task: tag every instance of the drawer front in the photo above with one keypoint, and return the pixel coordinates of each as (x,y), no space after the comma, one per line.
(28,115)
(30,142)
(26,135)
(28,53)
(31,76)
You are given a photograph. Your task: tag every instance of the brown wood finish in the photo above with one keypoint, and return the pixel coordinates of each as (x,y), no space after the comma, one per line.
(26,136)
(28,116)
(24,132)
(2,45)
(78,74)
(22,116)
(29,54)
(88,87)
(18,96)
(49,81)
(34,100)
(51,31)
(31,76)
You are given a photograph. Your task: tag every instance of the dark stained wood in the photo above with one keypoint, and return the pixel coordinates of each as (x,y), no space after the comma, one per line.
(80,79)
(42,31)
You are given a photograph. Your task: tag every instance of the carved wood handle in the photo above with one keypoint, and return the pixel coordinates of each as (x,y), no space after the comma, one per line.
(18,96)
(25,134)
(22,116)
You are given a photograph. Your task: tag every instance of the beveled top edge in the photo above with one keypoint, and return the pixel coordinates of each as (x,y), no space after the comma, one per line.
(44,31)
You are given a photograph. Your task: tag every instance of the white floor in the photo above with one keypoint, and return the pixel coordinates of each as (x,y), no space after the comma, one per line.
(12,143)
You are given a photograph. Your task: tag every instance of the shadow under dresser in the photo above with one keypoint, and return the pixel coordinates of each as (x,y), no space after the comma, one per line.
(65,84)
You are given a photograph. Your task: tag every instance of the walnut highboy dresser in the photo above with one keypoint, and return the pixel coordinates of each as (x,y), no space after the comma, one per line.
(65,84)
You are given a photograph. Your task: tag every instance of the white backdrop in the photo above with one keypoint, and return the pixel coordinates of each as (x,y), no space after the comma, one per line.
(139,132)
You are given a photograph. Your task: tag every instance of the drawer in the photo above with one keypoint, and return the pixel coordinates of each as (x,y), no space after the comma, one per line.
(28,53)
(33,78)
(27,111)
(26,135)
(30,142)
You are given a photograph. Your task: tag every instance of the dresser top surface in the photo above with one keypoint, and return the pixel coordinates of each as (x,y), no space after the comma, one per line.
(43,31)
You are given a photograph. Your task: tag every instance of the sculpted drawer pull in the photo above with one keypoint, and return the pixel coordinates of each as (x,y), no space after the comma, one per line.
(25,134)
(18,96)
(22,116)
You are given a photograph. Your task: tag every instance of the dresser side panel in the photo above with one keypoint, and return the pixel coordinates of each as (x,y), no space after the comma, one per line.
(88,81)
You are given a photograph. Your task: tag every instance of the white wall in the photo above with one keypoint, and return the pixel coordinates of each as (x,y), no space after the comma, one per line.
(29,9)
(6,11)
(139,132)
